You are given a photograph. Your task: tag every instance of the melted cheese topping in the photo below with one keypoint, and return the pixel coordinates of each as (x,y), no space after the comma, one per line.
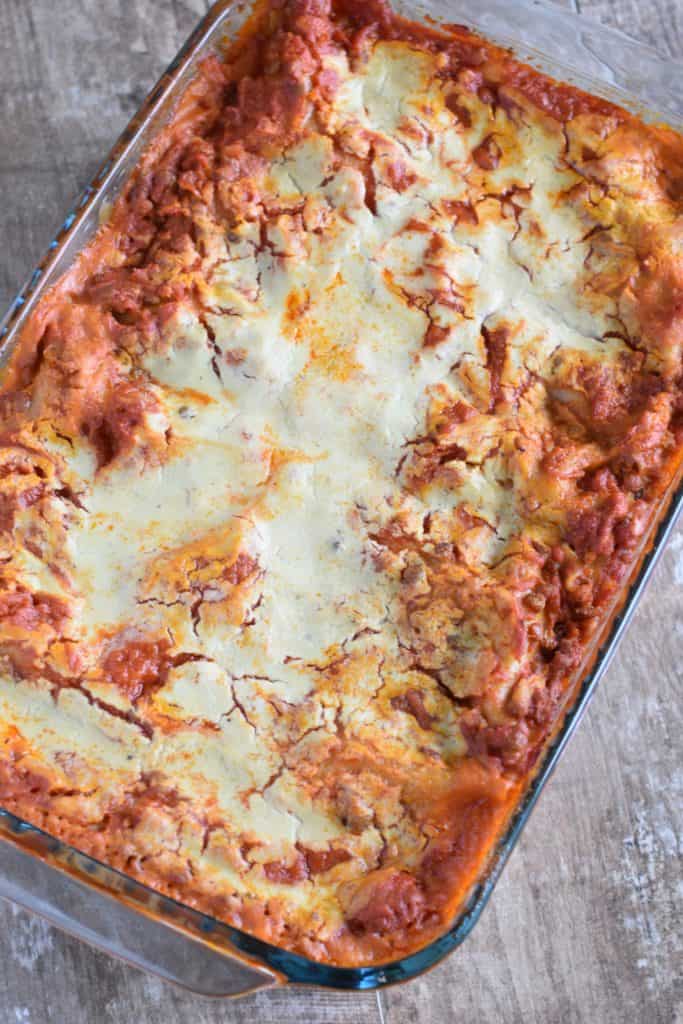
(318,470)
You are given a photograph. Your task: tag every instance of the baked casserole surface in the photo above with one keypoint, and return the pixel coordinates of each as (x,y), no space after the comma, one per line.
(323,468)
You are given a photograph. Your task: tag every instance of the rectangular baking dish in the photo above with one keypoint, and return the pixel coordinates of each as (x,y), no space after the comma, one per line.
(122,916)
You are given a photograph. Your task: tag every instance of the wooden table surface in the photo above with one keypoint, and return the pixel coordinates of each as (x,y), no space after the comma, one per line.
(585,926)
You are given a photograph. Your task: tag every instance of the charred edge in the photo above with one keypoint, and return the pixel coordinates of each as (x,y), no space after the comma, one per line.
(495,344)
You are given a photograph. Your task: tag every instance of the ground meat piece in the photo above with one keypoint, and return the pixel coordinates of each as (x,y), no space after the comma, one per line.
(26,610)
(137,666)
(506,745)
(286,872)
(394,902)
(412,703)
(319,861)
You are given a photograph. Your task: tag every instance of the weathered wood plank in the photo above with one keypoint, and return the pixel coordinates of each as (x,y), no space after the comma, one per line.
(49,978)
(583,927)
(70,83)
(656,22)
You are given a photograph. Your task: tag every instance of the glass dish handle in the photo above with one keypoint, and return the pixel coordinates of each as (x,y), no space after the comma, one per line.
(102,921)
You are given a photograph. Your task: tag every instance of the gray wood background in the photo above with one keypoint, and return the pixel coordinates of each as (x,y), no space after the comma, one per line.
(585,927)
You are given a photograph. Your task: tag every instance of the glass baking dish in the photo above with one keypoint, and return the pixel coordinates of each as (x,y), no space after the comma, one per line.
(125,918)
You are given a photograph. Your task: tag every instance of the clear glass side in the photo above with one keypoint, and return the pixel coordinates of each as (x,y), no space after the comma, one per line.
(575,49)
(115,924)
(95,902)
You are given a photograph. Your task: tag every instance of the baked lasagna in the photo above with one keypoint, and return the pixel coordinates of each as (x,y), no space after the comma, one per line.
(323,468)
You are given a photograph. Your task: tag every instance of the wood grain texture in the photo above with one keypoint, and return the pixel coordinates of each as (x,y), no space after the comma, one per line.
(585,925)
(656,22)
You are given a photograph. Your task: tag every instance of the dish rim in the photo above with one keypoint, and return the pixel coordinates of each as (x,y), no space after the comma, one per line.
(282,965)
